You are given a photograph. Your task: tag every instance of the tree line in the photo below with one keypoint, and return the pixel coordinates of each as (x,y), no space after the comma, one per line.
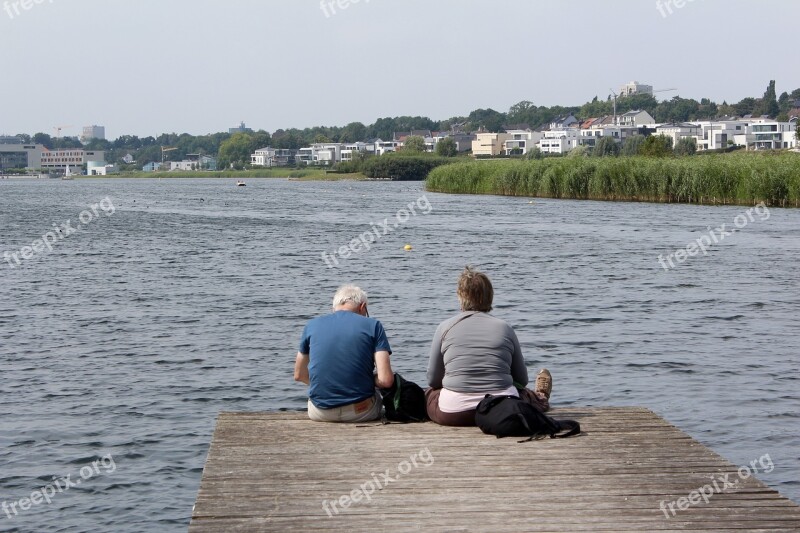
(235,149)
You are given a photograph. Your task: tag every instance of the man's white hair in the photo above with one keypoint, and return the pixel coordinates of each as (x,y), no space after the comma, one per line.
(349,293)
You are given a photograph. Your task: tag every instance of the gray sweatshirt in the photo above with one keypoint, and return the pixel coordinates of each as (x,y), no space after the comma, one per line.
(480,353)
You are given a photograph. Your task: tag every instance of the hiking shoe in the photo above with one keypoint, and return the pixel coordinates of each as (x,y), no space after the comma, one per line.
(544,383)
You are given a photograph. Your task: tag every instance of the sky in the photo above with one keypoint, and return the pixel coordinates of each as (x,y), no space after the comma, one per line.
(145,67)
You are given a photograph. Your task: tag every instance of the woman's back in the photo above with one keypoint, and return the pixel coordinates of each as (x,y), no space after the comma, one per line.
(479,353)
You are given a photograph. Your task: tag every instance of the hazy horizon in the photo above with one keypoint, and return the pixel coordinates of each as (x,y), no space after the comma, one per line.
(199,67)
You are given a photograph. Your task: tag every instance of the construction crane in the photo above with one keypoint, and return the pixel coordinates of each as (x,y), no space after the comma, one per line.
(58,129)
(164,150)
(664,91)
(615,105)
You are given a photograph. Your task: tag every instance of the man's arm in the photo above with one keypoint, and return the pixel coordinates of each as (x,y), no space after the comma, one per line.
(385,377)
(301,368)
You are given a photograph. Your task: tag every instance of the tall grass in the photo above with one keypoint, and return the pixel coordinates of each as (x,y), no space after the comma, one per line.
(741,178)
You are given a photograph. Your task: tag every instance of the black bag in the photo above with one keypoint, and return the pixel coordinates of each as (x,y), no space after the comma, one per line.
(508,416)
(404,401)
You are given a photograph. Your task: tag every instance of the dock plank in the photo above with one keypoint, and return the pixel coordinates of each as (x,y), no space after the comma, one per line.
(282,472)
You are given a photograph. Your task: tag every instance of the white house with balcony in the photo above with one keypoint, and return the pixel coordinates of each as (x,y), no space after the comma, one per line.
(772,135)
(384,147)
(560,141)
(324,154)
(678,131)
(718,135)
(521,141)
(350,149)
(263,158)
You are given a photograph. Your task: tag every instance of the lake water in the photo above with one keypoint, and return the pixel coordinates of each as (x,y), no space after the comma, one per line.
(138,329)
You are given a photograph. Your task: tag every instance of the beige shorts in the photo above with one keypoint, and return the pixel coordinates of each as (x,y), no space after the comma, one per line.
(364,411)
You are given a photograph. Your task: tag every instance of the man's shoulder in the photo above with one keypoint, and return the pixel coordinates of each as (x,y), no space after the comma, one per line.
(339,318)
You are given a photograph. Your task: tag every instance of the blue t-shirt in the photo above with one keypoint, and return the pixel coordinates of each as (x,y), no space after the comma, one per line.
(341,348)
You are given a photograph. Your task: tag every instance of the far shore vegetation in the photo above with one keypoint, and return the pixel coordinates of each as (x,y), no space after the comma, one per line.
(744,178)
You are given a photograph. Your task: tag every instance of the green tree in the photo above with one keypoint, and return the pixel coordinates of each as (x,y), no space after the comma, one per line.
(447,147)
(769,103)
(677,110)
(686,146)
(287,140)
(43,138)
(745,107)
(488,118)
(521,112)
(797,133)
(606,147)
(656,146)
(353,132)
(149,154)
(725,110)
(236,151)
(633,145)
(260,139)
(98,144)
(414,143)
(784,103)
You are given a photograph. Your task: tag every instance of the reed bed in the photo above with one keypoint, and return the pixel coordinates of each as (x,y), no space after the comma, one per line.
(742,178)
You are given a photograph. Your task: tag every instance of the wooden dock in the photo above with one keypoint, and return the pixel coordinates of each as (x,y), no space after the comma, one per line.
(282,472)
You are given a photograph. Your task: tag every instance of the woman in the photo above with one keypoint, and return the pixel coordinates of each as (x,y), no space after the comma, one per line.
(474,354)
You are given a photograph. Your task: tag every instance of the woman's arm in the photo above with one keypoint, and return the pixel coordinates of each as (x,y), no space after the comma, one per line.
(519,372)
(436,361)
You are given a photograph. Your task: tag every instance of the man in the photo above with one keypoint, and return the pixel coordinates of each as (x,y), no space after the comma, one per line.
(337,357)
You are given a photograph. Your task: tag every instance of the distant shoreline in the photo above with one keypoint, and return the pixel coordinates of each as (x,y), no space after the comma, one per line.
(292,174)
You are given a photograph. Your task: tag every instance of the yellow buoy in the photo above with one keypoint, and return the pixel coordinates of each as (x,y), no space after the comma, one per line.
(408,247)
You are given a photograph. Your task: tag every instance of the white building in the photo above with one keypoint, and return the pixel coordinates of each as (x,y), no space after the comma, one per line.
(349,149)
(384,147)
(194,162)
(273,157)
(521,141)
(326,154)
(559,141)
(718,135)
(635,87)
(263,158)
(678,131)
(100,168)
(772,135)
